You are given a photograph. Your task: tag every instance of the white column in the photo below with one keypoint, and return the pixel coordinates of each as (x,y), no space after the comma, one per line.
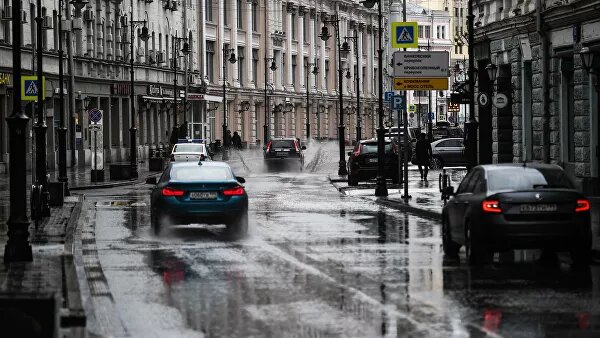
(202,40)
(220,42)
(234,42)
(322,65)
(359,61)
(370,49)
(301,76)
(288,53)
(250,80)
(311,51)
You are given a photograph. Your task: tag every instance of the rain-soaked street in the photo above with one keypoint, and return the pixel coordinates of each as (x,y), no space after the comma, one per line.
(316,263)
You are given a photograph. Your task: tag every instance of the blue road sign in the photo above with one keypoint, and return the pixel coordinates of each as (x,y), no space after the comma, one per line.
(388,97)
(431,115)
(95,115)
(398,102)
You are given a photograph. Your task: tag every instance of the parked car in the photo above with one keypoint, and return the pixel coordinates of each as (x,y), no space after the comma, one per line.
(516,206)
(199,192)
(362,163)
(443,132)
(284,152)
(413,134)
(189,150)
(448,152)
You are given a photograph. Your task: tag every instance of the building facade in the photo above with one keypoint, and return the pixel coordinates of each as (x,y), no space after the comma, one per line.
(284,73)
(552,109)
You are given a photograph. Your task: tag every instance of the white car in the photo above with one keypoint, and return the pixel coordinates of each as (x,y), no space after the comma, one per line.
(186,152)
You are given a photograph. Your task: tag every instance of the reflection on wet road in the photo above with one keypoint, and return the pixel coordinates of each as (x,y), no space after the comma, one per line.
(318,264)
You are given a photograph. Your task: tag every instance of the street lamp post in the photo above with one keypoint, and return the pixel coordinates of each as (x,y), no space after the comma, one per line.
(231,53)
(471,125)
(17,247)
(266,105)
(132,129)
(381,188)
(62,130)
(342,170)
(186,51)
(314,71)
(346,49)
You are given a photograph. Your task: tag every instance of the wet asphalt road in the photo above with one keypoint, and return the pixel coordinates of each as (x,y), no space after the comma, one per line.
(315,264)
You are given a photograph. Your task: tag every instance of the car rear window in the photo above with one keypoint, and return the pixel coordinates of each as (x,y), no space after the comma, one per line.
(189,148)
(200,173)
(282,144)
(523,178)
(369,148)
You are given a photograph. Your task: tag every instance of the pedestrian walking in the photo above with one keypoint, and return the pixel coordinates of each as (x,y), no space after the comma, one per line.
(236,140)
(423,149)
(227,139)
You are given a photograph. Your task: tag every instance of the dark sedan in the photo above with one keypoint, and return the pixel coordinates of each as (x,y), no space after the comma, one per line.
(284,153)
(516,206)
(199,192)
(448,152)
(362,163)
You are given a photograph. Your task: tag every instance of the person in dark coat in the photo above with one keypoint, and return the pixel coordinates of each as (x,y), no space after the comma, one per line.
(423,152)
(227,139)
(236,140)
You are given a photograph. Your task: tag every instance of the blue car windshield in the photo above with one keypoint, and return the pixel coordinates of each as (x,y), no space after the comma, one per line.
(201,173)
(519,178)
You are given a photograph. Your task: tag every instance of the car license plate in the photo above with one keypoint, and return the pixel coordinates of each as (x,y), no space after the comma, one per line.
(282,154)
(529,208)
(203,195)
(373,160)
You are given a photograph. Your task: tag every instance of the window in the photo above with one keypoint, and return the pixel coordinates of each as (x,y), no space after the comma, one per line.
(460,48)
(210,54)
(225,56)
(461,12)
(421,31)
(255,16)
(305,27)
(240,63)
(455,11)
(568,107)
(427,32)
(443,32)
(524,178)
(209,10)
(326,74)
(255,66)
(293,28)
(240,14)
(226,11)
(294,69)
(456,49)
(439,31)
(462,188)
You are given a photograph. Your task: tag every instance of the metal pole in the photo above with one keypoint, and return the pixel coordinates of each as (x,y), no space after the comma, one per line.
(307,102)
(175,94)
(266,105)
(342,170)
(358,116)
(224,151)
(406,196)
(71,90)
(381,189)
(132,129)
(40,127)
(62,130)
(471,125)
(17,247)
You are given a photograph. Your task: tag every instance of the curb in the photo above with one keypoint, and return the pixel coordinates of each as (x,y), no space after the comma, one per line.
(112,185)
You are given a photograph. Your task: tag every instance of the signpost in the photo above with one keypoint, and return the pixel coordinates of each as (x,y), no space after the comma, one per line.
(398,102)
(95,117)
(405,35)
(421,64)
(30,86)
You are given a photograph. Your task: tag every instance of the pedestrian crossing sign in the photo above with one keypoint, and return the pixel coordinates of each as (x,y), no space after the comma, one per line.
(405,35)
(30,87)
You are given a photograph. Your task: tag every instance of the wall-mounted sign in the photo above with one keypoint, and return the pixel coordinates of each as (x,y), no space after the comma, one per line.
(483,99)
(120,89)
(453,107)
(30,86)
(5,79)
(154,90)
(500,100)
(164,91)
(420,83)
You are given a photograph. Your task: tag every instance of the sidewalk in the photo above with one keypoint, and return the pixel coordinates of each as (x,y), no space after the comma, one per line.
(43,295)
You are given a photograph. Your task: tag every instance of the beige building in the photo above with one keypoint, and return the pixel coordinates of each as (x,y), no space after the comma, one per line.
(285,34)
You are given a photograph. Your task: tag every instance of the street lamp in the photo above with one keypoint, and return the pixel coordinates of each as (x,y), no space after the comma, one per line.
(186,51)
(273,68)
(471,125)
(132,129)
(227,52)
(381,188)
(342,170)
(62,129)
(17,247)
(587,60)
(315,71)
(346,49)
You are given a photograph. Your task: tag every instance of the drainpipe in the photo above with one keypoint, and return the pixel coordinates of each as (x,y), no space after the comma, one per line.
(545,79)
(70,70)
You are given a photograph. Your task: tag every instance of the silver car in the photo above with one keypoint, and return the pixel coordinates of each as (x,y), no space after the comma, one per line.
(448,152)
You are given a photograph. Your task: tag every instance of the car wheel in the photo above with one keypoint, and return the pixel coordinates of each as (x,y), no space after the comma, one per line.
(436,163)
(450,247)
(155,222)
(352,181)
(238,228)
(475,253)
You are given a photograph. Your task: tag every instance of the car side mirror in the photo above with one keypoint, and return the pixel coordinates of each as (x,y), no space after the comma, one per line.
(240,179)
(303,147)
(448,191)
(151,180)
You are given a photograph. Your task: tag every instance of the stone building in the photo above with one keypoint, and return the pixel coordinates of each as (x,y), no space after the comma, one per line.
(551,113)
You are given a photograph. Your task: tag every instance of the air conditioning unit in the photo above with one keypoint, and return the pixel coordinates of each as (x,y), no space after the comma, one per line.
(88,15)
(90,47)
(47,24)
(109,51)
(100,34)
(100,48)
(7,13)
(77,24)
(119,55)
(117,38)
(160,58)
(109,37)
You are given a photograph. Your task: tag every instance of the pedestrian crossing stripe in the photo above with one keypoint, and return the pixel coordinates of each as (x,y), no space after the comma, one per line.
(405,35)
(30,86)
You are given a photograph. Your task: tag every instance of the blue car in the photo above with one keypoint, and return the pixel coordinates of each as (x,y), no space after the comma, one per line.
(199,192)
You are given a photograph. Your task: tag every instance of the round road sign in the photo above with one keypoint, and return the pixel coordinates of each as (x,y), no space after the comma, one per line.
(483,99)
(500,100)
(95,115)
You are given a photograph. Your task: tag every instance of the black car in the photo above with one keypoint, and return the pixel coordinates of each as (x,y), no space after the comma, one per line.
(362,163)
(448,152)
(284,153)
(516,206)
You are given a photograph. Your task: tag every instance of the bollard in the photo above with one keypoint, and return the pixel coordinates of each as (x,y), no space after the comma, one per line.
(443,182)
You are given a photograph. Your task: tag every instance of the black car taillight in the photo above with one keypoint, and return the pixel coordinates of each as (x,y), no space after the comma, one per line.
(491,206)
(582,205)
(269,146)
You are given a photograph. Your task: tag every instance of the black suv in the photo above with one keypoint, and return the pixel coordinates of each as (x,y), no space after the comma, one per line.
(284,152)
(362,164)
